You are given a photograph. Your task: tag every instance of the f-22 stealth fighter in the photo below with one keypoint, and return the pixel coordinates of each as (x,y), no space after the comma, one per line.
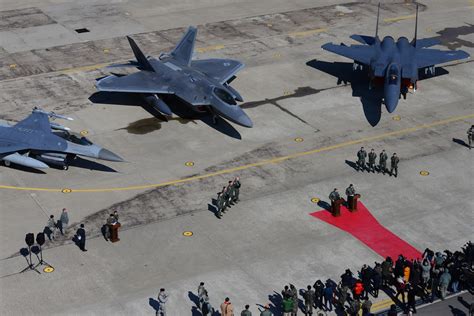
(37,143)
(396,64)
(201,84)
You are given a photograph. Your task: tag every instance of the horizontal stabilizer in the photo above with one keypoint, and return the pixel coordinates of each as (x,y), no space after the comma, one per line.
(429,57)
(221,70)
(363,39)
(427,42)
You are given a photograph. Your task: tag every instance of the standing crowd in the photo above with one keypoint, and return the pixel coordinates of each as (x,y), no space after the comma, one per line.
(405,281)
(370,166)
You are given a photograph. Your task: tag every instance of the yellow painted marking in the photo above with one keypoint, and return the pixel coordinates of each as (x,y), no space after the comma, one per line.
(106,50)
(48,269)
(429,29)
(299,139)
(424,173)
(276,55)
(12,66)
(258,163)
(84,132)
(396,118)
(315,200)
(189,164)
(308,33)
(286,93)
(381,305)
(269,24)
(65,191)
(399,18)
(188,234)
(209,48)
(340,14)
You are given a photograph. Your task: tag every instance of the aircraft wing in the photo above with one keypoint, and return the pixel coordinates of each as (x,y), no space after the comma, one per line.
(7,147)
(428,57)
(363,39)
(219,69)
(37,121)
(360,53)
(139,82)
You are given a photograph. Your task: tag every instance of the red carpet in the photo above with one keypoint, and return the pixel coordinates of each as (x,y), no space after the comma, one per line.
(363,226)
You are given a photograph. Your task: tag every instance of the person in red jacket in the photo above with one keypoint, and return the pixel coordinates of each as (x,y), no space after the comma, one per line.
(358,289)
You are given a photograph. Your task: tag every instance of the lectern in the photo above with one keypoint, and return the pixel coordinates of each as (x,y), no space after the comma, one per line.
(336,207)
(114,232)
(352,202)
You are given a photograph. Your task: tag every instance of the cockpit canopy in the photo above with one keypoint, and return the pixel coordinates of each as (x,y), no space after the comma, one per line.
(80,141)
(224,96)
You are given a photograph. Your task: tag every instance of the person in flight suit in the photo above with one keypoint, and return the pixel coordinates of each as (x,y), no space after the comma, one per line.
(229,192)
(334,196)
(236,185)
(383,162)
(470,136)
(372,157)
(394,164)
(350,192)
(222,200)
(361,155)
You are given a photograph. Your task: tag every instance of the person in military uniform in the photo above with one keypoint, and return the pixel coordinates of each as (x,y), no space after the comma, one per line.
(229,193)
(221,204)
(361,155)
(383,162)
(334,196)
(394,164)
(372,157)
(350,192)
(236,185)
(470,136)
(308,301)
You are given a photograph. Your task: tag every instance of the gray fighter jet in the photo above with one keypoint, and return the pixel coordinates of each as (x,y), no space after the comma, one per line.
(38,143)
(201,84)
(395,64)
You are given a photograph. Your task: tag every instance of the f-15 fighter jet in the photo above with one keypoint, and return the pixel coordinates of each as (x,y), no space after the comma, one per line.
(38,143)
(396,64)
(201,84)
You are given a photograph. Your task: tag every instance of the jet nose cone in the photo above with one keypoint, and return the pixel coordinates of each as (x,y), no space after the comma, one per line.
(245,121)
(391,106)
(105,154)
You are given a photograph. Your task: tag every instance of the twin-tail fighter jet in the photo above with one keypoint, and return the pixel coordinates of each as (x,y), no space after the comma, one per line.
(38,143)
(204,84)
(396,64)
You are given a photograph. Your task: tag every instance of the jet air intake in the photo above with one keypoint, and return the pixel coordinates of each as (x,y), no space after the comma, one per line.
(223,104)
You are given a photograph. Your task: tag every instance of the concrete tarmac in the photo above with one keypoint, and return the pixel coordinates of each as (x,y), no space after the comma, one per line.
(308,127)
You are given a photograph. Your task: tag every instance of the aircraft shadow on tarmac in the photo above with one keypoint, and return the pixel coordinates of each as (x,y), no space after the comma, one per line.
(371,99)
(178,107)
(80,162)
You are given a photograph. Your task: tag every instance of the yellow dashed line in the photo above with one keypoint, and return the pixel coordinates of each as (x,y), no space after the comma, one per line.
(307,33)
(256,164)
(399,18)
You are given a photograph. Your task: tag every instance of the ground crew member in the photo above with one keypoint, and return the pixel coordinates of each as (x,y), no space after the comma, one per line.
(109,223)
(361,155)
(383,162)
(236,185)
(470,136)
(394,164)
(308,301)
(350,192)
(223,199)
(81,237)
(372,157)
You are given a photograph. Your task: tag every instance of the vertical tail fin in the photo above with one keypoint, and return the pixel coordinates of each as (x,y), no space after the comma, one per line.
(141,59)
(377,26)
(184,50)
(416,27)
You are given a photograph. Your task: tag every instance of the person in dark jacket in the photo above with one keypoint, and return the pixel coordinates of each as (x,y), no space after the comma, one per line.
(411,298)
(318,293)
(376,279)
(366,276)
(399,265)
(387,270)
(81,238)
(328,294)
(308,301)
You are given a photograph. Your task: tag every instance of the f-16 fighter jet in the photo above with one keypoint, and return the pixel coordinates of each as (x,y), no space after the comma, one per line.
(201,84)
(396,64)
(38,143)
